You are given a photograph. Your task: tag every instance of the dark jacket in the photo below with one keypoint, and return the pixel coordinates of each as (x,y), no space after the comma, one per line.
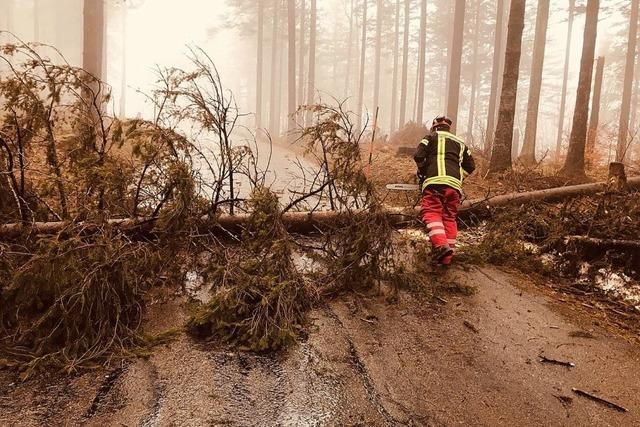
(443,159)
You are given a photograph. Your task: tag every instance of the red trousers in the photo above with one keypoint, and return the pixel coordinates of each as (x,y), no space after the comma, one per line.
(439,212)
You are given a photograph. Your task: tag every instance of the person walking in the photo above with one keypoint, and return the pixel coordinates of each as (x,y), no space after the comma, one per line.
(443,162)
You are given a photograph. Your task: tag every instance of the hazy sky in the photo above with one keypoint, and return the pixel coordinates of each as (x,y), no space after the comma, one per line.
(158,31)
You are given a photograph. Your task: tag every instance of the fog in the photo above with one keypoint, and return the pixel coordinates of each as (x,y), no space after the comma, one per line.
(147,34)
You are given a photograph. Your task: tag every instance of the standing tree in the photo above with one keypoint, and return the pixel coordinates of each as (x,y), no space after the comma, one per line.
(455,62)
(363,56)
(93,31)
(394,84)
(528,153)
(259,63)
(501,152)
(303,20)
(311,88)
(592,133)
(273,98)
(574,163)
(378,42)
(474,70)
(347,77)
(405,64)
(565,79)
(421,60)
(291,66)
(623,129)
(495,77)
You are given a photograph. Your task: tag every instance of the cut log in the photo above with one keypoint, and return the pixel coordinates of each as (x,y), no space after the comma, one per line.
(309,222)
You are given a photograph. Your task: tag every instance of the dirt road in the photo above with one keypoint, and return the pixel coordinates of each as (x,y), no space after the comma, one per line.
(470,360)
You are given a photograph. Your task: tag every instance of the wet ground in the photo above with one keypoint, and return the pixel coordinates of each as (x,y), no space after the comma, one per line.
(467,360)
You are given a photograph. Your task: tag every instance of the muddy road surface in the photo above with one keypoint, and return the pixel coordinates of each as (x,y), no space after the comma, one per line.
(467,360)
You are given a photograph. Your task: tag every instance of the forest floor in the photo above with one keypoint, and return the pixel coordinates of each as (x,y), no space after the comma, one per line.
(460,359)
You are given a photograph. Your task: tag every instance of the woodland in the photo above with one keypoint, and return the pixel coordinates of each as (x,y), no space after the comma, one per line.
(104,209)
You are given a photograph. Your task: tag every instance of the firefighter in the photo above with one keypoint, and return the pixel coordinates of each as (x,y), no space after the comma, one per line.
(443,161)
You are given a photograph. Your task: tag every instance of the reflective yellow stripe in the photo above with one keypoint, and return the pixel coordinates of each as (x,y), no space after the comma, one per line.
(462,172)
(442,170)
(425,142)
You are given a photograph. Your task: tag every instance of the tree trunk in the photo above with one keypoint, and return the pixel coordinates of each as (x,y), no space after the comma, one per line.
(93,30)
(376,80)
(275,37)
(501,152)
(455,63)
(422,60)
(347,77)
(574,163)
(311,88)
(280,80)
(259,64)
(623,129)
(528,154)
(123,64)
(363,56)
(495,77)
(405,64)
(565,78)
(291,67)
(474,77)
(394,85)
(592,133)
(311,222)
(303,32)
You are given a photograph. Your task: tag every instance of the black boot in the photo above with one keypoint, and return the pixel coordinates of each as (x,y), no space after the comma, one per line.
(439,253)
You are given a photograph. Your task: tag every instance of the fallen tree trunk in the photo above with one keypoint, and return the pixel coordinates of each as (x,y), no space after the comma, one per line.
(593,242)
(308,222)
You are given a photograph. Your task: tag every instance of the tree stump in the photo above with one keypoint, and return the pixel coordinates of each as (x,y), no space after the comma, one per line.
(617,178)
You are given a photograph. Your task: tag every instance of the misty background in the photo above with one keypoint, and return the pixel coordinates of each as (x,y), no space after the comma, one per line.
(140,35)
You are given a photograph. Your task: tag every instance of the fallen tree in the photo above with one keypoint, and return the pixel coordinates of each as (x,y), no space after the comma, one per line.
(308,222)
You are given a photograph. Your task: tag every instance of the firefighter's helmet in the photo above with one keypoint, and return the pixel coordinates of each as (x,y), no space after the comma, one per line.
(441,121)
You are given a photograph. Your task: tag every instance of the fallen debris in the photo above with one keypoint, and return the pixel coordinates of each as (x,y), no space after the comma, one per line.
(471,326)
(599,400)
(545,359)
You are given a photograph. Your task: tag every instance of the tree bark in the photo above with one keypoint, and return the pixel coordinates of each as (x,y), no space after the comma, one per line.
(93,30)
(495,77)
(592,133)
(455,63)
(422,61)
(303,32)
(405,64)
(378,43)
(311,88)
(528,153)
(347,77)
(259,64)
(291,67)
(394,84)
(501,152)
(623,128)
(311,222)
(565,79)
(273,98)
(574,163)
(474,77)
(123,69)
(363,56)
